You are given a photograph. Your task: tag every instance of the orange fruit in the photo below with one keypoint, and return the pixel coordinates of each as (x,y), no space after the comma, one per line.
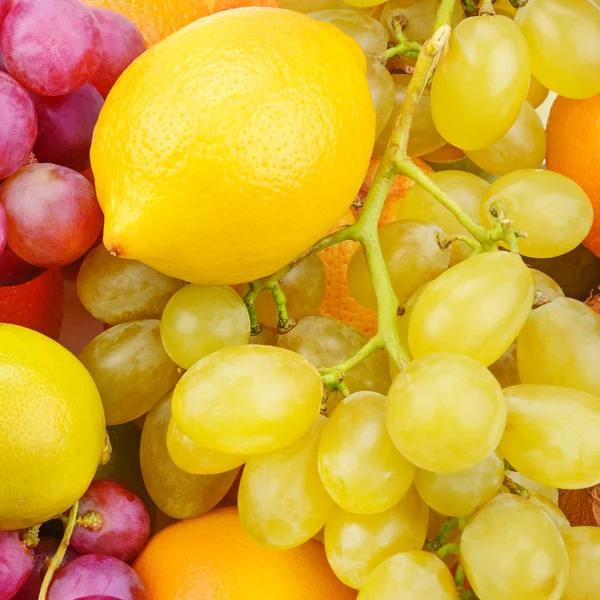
(573,133)
(213,558)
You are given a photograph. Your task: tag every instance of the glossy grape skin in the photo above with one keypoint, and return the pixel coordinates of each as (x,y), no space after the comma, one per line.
(381,86)
(511,549)
(221,404)
(560,345)
(583,546)
(192,458)
(545,284)
(505,369)
(19,126)
(489,296)
(538,488)
(404,323)
(122,43)
(479,87)
(52,47)
(552,209)
(96,574)
(130,368)
(537,93)
(65,125)
(359,465)
(282,502)
(16,563)
(459,494)
(201,319)
(412,256)
(552,435)
(52,212)
(178,494)
(564,43)
(466,189)
(445,413)
(357,544)
(5,6)
(551,509)
(326,342)
(413,574)
(115,290)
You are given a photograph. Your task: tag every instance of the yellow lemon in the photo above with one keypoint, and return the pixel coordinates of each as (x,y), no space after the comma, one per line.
(51,427)
(233,145)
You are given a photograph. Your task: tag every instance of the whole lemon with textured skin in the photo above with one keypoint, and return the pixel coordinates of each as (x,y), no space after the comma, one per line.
(51,426)
(233,145)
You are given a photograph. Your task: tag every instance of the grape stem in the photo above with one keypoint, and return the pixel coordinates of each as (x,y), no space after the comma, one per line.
(459,578)
(470,7)
(91,520)
(60,552)
(448,527)
(514,488)
(518,3)
(448,549)
(468,595)
(30,537)
(445,241)
(487,9)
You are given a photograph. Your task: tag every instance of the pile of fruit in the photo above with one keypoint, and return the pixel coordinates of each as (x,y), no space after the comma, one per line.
(303,255)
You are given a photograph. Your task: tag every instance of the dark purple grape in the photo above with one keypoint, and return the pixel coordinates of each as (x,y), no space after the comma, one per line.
(14,270)
(16,564)
(52,47)
(122,43)
(96,575)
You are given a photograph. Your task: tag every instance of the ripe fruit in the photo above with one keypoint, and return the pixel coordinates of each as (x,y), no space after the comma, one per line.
(52,428)
(254,188)
(17,563)
(583,546)
(213,556)
(14,270)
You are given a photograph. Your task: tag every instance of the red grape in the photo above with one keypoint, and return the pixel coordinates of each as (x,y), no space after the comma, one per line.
(98,598)
(14,270)
(95,574)
(65,127)
(52,212)
(16,564)
(125,526)
(19,126)
(5,6)
(52,47)
(3,229)
(122,43)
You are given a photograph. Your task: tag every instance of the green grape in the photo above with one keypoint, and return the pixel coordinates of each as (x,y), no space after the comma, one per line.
(201,319)
(523,146)
(445,413)
(533,486)
(365,3)
(381,86)
(458,494)
(282,502)
(511,549)
(309,6)
(115,290)
(466,189)
(176,493)
(248,400)
(366,31)
(556,515)
(476,308)
(505,368)
(359,465)
(537,93)
(409,575)
(545,284)
(560,345)
(551,209)
(412,256)
(192,458)
(404,322)
(266,337)
(480,85)
(357,544)
(552,435)
(583,546)
(564,43)
(131,369)
(424,137)
(326,342)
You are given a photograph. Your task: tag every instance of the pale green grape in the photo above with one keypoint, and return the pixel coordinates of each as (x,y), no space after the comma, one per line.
(309,6)
(357,544)
(551,209)
(537,93)
(381,86)
(412,256)
(130,368)
(480,85)
(533,486)
(556,515)
(115,290)
(523,146)
(404,322)
(560,345)
(359,465)
(466,189)
(505,368)
(459,494)
(583,546)
(365,3)
(445,412)
(201,319)
(545,284)
(282,502)
(248,400)
(178,494)
(366,31)
(552,435)
(476,308)
(564,43)
(410,575)
(192,458)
